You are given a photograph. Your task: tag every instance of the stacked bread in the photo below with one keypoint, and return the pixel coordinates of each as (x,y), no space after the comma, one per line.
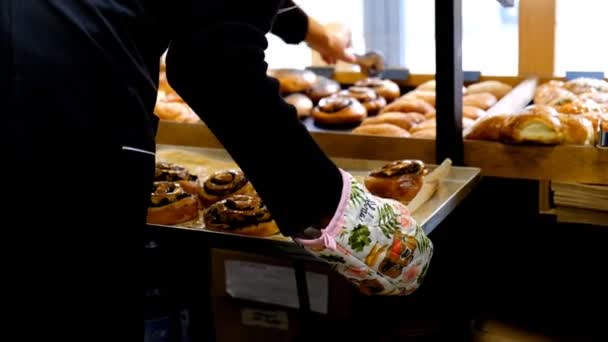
(563,113)
(169,105)
(414,115)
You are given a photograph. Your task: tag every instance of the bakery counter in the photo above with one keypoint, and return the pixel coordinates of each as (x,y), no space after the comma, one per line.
(574,163)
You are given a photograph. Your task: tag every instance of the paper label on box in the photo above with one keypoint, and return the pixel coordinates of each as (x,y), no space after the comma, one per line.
(317,291)
(261,283)
(265,318)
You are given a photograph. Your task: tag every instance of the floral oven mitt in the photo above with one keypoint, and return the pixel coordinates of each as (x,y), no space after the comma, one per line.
(374,242)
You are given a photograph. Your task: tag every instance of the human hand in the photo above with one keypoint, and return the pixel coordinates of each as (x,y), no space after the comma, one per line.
(332,41)
(374,242)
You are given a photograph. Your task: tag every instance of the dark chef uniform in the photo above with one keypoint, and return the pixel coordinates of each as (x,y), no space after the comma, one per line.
(78,83)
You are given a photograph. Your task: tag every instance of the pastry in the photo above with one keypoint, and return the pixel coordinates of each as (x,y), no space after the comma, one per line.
(403,120)
(535,128)
(432,123)
(577,129)
(224,184)
(302,103)
(427,96)
(599,98)
(431,85)
(583,85)
(339,111)
(323,87)
(479,100)
(496,88)
(409,106)
(170,204)
(487,128)
(427,133)
(294,80)
(549,94)
(372,102)
(382,129)
(576,106)
(169,172)
(467,112)
(240,214)
(385,88)
(400,180)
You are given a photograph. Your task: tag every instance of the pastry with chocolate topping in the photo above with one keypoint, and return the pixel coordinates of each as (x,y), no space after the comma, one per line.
(170,204)
(324,87)
(385,88)
(224,184)
(372,102)
(339,110)
(169,172)
(240,214)
(400,180)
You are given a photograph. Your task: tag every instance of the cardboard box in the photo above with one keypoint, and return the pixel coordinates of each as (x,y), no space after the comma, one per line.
(272,281)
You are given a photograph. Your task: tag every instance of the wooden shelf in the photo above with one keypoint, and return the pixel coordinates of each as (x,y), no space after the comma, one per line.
(573,163)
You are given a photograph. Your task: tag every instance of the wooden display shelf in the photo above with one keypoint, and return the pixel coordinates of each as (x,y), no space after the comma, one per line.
(574,163)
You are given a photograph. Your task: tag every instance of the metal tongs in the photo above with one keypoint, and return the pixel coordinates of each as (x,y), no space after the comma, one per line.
(371,63)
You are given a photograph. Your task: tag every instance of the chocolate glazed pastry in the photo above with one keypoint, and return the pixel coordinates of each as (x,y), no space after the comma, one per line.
(170,204)
(324,87)
(168,172)
(241,214)
(385,88)
(339,111)
(223,184)
(372,102)
(400,180)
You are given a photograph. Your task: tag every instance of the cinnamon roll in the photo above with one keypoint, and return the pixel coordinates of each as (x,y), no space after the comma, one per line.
(372,102)
(339,111)
(388,89)
(170,204)
(324,87)
(169,172)
(302,103)
(240,214)
(293,80)
(400,180)
(224,184)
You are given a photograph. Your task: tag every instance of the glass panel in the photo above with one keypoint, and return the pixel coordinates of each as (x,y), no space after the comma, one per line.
(580,36)
(490,37)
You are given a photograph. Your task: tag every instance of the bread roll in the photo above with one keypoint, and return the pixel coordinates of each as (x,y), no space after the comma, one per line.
(294,80)
(487,128)
(427,133)
(302,103)
(496,88)
(480,100)
(431,85)
(403,120)
(432,123)
(535,128)
(577,129)
(408,106)
(467,112)
(425,95)
(382,129)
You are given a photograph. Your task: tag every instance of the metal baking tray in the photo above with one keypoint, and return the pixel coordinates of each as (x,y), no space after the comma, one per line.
(450,193)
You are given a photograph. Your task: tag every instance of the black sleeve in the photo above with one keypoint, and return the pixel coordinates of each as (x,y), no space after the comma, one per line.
(219,69)
(292,24)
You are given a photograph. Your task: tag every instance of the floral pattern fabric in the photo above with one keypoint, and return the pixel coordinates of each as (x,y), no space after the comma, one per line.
(374,242)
